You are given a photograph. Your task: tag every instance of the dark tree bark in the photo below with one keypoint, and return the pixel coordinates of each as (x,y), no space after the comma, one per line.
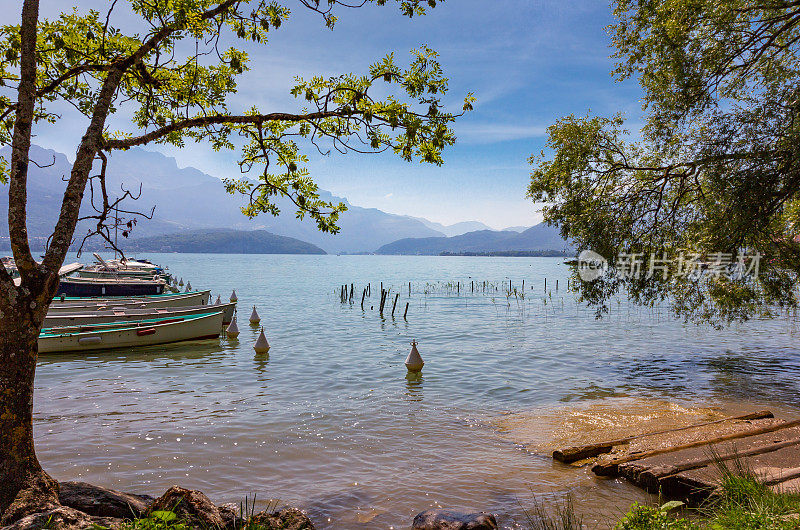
(24,486)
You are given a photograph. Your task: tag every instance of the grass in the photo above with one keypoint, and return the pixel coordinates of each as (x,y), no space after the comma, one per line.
(562,517)
(742,503)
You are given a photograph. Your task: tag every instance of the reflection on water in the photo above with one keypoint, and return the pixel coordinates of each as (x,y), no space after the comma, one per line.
(332,421)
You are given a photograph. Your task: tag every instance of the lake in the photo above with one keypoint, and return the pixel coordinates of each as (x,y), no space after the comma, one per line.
(330,421)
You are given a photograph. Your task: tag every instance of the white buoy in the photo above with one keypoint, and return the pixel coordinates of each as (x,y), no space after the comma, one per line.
(414,361)
(233,296)
(254,318)
(261,345)
(180,283)
(232,330)
(219,300)
(188,286)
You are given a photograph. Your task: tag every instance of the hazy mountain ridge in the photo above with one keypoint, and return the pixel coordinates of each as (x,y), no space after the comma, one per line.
(224,241)
(537,238)
(455,229)
(188,199)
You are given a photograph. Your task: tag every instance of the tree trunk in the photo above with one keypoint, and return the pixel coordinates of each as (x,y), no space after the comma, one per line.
(24,486)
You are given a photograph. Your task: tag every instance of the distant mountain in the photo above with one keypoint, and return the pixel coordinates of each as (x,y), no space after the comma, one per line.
(455,229)
(516,229)
(188,199)
(536,238)
(223,241)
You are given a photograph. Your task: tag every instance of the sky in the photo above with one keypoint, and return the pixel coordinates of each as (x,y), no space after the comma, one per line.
(527,62)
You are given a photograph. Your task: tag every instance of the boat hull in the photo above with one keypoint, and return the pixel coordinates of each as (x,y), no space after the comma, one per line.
(91,287)
(80,304)
(205,326)
(89,317)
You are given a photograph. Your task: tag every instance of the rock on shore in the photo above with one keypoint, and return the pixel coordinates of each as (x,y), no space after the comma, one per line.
(85,506)
(449,520)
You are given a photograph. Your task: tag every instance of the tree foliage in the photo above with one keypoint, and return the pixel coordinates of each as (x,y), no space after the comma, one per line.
(714,173)
(177,81)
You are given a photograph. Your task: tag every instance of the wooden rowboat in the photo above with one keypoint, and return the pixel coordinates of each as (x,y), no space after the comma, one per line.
(110,287)
(121,314)
(104,303)
(128,335)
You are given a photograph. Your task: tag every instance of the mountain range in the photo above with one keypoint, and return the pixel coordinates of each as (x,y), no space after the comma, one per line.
(537,238)
(187,199)
(223,241)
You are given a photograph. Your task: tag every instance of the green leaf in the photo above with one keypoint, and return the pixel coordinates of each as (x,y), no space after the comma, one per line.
(163,515)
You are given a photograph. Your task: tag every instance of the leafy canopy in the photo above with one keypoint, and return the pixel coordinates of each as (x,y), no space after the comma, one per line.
(714,173)
(177,80)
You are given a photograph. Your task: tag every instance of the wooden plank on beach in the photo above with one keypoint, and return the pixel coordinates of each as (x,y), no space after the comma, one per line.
(609,464)
(582,452)
(647,472)
(778,469)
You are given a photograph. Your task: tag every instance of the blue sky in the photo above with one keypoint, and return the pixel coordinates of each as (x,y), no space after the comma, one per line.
(528,63)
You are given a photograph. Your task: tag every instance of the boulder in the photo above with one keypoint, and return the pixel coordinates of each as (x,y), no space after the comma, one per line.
(285,519)
(190,505)
(60,518)
(102,502)
(449,520)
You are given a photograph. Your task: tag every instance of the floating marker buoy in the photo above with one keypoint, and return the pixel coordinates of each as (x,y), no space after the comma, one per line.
(233,296)
(188,287)
(261,345)
(180,283)
(233,330)
(254,318)
(414,361)
(219,300)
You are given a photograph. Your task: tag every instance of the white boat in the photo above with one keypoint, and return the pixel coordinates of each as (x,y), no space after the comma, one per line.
(77,304)
(100,272)
(110,287)
(127,314)
(128,335)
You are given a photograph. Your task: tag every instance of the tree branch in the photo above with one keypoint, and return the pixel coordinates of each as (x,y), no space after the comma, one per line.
(219,119)
(21,143)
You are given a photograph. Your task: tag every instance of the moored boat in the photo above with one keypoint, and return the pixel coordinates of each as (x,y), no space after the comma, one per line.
(75,303)
(102,273)
(128,334)
(110,287)
(122,314)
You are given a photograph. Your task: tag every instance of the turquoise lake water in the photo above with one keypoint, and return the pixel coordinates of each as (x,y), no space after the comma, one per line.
(329,421)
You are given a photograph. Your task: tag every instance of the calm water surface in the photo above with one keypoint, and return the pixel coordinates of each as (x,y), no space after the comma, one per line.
(330,421)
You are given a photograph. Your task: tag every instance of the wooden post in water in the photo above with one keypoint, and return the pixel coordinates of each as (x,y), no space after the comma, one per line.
(545,285)
(409,288)
(556,285)
(395,303)
(523,285)
(406,311)
(363,294)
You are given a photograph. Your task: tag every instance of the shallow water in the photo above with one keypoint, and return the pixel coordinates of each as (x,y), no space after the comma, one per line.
(331,422)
